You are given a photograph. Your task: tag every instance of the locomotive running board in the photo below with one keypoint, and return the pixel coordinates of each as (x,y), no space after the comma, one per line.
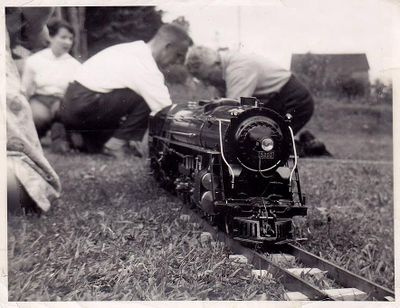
(193,147)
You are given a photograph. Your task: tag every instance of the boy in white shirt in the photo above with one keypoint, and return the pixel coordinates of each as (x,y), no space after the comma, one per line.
(116,89)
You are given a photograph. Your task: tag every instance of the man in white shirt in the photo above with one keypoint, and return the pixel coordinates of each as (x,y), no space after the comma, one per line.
(240,75)
(116,89)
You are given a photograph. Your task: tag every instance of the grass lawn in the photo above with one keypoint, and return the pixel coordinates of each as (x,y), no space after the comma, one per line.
(115,235)
(350,220)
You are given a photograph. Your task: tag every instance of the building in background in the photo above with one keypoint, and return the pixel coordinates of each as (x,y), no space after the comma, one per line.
(344,73)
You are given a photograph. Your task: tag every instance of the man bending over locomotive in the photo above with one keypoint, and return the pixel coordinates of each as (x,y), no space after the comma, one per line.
(252,75)
(239,75)
(115,90)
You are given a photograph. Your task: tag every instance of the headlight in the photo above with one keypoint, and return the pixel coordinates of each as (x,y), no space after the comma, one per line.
(267,144)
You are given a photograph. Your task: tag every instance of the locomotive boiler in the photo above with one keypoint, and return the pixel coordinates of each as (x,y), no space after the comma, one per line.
(234,160)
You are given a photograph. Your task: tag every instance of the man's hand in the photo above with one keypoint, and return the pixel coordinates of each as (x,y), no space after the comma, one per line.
(153,113)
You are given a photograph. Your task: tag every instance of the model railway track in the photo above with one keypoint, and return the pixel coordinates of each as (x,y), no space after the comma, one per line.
(279,264)
(347,161)
(354,287)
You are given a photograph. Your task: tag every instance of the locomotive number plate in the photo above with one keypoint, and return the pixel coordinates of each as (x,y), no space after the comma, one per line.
(266,155)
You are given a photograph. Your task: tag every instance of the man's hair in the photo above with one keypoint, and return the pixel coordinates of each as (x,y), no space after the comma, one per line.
(55,25)
(173,33)
(198,56)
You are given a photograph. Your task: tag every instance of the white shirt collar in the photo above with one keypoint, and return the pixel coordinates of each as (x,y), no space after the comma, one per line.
(49,53)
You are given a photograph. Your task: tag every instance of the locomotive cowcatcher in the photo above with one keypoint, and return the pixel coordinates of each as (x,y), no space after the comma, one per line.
(234,160)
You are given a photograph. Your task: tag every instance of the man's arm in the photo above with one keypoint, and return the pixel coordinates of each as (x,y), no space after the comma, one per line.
(154,91)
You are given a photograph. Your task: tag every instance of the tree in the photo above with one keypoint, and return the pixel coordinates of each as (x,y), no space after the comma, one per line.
(99,27)
(311,71)
(381,93)
(107,26)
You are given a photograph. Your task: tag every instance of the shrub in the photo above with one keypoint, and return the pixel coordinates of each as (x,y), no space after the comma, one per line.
(108,26)
(381,93)
(351,87)
(311,72)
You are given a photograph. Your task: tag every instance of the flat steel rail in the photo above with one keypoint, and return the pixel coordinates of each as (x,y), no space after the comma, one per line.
(347,161)
(259,261)
(290,281)
(339,274)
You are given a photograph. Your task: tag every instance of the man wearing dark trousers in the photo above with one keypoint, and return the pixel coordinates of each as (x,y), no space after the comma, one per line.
(240,75)
(115,90)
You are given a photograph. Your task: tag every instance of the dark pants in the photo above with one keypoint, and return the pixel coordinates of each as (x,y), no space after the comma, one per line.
(121,113)
(293,98)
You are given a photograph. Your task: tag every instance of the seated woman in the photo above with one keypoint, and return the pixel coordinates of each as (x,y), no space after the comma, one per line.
(47,74)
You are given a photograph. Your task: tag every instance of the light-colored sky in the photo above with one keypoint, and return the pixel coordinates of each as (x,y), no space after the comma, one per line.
(279,28)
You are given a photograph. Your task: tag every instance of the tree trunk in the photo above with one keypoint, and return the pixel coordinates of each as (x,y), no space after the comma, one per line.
(83,40)
(58,12)
(74,20)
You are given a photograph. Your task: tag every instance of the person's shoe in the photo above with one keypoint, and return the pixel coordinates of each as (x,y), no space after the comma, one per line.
(136,149)
(58,135)
(306,137)
(123,152)
(311,146)
(119,153)
(77,141)
(116,148)
(114,153)
(316,148)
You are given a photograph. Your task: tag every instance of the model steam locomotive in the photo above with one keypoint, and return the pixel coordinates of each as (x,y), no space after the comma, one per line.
(234,160)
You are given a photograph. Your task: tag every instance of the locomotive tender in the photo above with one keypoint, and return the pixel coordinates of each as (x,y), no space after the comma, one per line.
(235,160)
